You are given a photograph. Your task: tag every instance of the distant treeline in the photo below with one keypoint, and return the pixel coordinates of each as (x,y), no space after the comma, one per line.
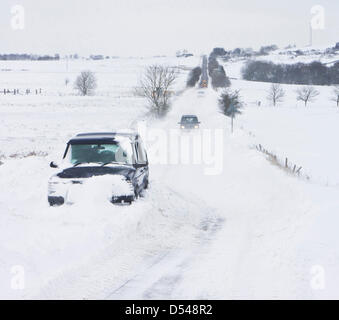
(194,76)
(25,56)
(243,52)
(314,73)
(217,72)
(290,50)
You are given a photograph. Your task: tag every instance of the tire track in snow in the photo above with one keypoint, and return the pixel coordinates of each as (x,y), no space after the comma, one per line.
(163,273)
(161,277)
(164,229)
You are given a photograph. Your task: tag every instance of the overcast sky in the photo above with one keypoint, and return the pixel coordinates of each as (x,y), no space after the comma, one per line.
(151,27)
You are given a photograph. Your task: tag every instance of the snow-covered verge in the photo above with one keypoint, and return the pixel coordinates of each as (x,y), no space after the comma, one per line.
(305,136)
(290,130)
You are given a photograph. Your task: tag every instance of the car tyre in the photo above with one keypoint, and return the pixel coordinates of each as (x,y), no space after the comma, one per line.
(146,184)
(56,201)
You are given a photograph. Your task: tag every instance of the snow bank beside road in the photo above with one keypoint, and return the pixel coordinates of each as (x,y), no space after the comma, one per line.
(290,130)
(52,243)
(304,136)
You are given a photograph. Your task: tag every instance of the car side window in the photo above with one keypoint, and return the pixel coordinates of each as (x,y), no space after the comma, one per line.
(142,157)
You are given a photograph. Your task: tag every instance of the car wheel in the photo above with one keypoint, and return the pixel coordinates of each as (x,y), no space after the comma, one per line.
(146,183)
(136,194)
(56,201)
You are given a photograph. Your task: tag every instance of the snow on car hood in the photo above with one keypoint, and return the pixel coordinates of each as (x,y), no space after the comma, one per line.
(91,171)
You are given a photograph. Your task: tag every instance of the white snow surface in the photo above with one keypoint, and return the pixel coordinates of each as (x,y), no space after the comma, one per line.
(252,231)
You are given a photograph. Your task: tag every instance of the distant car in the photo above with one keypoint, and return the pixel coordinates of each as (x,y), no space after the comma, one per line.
(121,156)
(203,84)
(189,122)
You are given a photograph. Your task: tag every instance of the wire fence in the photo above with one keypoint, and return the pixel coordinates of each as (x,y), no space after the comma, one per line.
(15,92)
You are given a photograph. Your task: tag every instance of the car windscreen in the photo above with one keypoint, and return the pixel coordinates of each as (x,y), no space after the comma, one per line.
(101,153)
(189,119)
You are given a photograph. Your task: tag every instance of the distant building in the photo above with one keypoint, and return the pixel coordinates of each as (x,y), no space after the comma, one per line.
(96,57)
(183,53)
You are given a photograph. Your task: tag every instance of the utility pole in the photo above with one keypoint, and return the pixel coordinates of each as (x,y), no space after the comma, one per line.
(232,119)
(67,64)
(232,111)
(311,35)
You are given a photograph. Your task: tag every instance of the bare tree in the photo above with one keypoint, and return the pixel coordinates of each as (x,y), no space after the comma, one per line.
(307,94)
(155,86)
(86,83)
(230,104)
(275,94)
(336,95)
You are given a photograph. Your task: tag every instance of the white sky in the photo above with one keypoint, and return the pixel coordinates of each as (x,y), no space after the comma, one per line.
(151,27)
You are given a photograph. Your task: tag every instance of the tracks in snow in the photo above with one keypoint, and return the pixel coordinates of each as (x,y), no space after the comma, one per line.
(148,256)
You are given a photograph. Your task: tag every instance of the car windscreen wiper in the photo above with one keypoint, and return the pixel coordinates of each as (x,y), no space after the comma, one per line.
(102,163)
(78,163)
(111,162)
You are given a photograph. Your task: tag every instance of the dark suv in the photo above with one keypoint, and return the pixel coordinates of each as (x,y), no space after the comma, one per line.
(120,156)
(189,122)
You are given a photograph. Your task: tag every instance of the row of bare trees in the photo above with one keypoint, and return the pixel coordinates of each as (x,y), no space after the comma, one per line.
(230,101)
(155,85)
(157,80)
(306,94)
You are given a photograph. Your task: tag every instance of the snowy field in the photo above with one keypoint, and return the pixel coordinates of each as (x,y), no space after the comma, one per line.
(250,231)
(302,134)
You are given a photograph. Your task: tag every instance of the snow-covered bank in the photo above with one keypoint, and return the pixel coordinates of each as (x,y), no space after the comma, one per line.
(305,136)
(302,134)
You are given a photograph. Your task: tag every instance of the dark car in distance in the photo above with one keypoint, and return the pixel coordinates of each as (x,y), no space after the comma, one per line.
(189,121)
(119,156)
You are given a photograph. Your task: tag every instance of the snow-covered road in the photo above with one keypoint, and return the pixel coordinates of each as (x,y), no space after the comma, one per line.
(253,215)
